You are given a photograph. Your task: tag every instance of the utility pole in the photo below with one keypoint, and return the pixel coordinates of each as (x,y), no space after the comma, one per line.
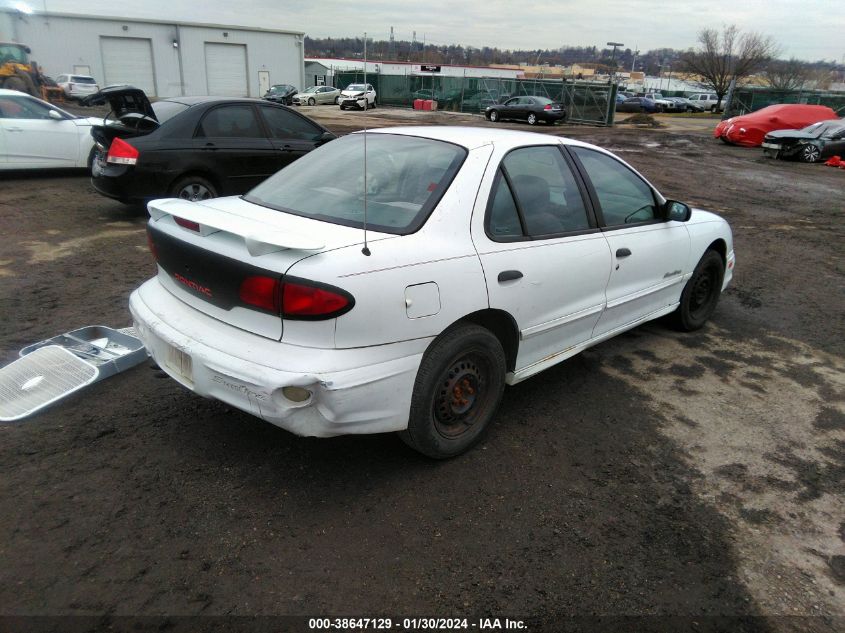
(615,45)
(634,62)
(413,45)
(391,53)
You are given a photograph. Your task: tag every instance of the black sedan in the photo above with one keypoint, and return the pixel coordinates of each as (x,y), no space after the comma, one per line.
(637,104)
(281,93)
(193,147)
(531,109)
(811,144)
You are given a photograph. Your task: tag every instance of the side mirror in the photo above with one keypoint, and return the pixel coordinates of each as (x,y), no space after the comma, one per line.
(325,137)
(55,115)
(676,211)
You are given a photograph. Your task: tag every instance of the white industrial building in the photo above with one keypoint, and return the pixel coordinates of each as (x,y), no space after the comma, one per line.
(163,58)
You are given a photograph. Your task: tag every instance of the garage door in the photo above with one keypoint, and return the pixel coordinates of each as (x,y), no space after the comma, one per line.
(129,60)
(225,67)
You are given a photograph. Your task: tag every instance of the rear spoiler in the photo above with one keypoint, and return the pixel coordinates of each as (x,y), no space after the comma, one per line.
(258,238)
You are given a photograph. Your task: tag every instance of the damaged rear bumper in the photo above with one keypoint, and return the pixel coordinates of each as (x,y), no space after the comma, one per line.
(364,390)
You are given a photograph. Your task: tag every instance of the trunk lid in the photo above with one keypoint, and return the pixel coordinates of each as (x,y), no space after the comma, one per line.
(132,111)
(205,251)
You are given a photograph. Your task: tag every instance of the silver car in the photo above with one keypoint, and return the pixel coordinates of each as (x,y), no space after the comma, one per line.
(316,95)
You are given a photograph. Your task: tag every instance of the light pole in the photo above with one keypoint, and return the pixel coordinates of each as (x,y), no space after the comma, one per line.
(615,45)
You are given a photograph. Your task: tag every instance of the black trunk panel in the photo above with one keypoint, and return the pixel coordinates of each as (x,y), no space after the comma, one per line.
(209,276)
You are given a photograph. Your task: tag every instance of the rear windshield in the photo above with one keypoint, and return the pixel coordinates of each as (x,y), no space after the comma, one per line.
(76,79)
(406,176)
(168,109)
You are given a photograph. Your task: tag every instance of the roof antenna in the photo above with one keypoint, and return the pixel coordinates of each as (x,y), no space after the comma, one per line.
(366,249)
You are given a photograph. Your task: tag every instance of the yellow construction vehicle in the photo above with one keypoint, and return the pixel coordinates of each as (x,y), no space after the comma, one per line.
(17,72)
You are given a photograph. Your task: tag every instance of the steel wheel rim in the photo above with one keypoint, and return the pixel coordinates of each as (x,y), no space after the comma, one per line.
(532,119)
(701,295)
(462,395)
(494,116)
(195,192)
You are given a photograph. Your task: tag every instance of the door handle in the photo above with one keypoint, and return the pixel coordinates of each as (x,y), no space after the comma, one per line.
(14,129)
(509,275)
(623,252)
(286,148)
(210,146)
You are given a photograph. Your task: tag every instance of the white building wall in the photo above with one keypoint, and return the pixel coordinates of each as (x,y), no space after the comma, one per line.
(59,42)
(278,53)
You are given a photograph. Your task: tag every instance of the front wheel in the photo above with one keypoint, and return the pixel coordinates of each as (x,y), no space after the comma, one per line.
(494,116)
(532,118)
(374,104)
(701,294)
(811,153)
(312,101)
(458,388)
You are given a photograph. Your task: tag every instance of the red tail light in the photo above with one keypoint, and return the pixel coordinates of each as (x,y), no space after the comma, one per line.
(548,106)
(300,300)
(122,153)
(187,224)
(262,292)
(310,301)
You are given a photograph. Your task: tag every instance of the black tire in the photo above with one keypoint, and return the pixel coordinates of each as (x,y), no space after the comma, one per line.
(15,83)
(457,391)
(701,294)
(713,109)
(494,115)
(532,118)
(312,101)
(374,104)
(811,153)
(193,188)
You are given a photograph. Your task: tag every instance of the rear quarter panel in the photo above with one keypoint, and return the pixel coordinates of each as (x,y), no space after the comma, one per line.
(440,253)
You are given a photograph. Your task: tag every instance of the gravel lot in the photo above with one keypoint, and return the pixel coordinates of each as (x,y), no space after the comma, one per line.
(659,473)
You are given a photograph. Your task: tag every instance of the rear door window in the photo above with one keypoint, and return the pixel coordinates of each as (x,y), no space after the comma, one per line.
(233,121)
(545,191)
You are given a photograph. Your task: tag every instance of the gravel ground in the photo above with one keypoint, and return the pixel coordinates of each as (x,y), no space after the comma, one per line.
(658,474)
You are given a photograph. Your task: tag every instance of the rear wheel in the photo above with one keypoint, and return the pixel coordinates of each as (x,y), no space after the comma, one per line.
(458,388)
(494,116)
(532,118)
(713,109)
(193,188)
(701,294)
(811,153)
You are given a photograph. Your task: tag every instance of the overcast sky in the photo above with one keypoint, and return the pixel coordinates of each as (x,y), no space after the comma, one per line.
(807,29)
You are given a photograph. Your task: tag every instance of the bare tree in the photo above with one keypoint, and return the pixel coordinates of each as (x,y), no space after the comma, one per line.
(791,74)
(727,55)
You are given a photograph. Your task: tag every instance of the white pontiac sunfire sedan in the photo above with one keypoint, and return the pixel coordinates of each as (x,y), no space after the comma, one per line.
(491,255)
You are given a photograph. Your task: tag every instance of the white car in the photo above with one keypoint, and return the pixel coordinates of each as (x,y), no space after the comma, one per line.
(475,258)
(361,96)
(662,103)
(35,134)
(77,86)
(709,101)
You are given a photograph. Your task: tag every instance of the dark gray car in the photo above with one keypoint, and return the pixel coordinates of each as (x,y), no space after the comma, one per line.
(811,144)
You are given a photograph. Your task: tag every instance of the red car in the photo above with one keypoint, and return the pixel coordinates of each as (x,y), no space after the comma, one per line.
(750,129)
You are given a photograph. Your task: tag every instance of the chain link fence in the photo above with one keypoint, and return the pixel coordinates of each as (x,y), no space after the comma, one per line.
(584,102)
(744,100)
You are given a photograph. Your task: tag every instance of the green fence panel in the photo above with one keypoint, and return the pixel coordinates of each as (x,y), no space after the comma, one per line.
(746,100)
(584,102)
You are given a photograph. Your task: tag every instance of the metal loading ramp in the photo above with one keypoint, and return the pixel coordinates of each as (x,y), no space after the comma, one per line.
(41,378)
